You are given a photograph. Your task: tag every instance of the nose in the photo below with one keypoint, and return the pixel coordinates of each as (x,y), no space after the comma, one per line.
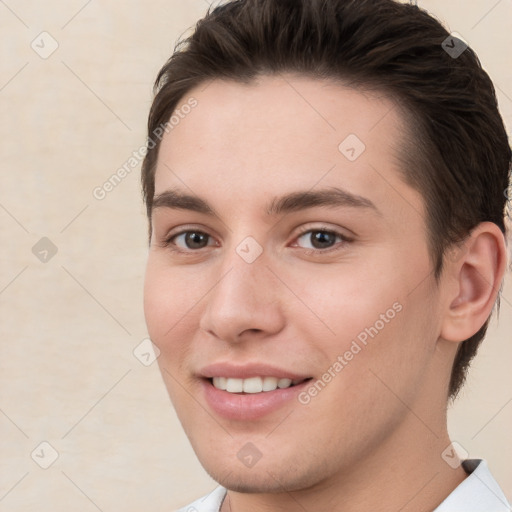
(245,302)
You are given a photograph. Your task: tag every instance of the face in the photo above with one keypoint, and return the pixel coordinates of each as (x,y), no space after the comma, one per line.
(291,296)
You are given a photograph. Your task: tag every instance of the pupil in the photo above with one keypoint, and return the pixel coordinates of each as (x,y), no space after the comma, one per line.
(196,240)
(321,239)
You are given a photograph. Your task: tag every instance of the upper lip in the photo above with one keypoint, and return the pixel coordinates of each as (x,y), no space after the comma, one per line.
(245,371)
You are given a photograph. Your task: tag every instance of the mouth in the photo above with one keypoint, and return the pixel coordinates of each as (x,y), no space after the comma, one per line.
(250,391)
(254,385)
(251,399)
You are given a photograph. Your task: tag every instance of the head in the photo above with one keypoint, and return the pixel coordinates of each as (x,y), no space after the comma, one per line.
(360,96)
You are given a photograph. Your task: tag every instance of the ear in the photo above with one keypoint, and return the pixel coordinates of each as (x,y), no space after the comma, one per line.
(475,277)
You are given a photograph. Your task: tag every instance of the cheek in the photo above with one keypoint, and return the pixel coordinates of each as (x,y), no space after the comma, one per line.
(378,351)
(157,301)
(169,295)
(367,314)
(344,304)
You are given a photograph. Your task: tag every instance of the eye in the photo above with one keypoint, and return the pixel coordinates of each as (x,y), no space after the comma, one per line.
(188,240)
(321,239)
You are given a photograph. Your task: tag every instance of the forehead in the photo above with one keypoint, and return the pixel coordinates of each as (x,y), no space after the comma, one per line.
(280,133)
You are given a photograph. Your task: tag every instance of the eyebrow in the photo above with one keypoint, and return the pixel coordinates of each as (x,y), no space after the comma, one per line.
(292,202)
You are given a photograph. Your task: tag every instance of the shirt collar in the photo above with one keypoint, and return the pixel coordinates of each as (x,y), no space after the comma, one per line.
(209,503)
(479,492)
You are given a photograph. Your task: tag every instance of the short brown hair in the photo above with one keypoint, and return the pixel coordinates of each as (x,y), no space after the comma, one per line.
(457,155)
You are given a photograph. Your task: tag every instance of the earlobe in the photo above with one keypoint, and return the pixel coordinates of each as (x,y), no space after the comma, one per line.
(478,275)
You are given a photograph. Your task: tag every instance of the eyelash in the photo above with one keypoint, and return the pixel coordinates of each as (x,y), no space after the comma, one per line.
(168,242)
(337,247)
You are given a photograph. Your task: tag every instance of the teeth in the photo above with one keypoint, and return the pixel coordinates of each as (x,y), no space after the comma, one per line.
(253,384)
(270,383)
(234,385)
(220,382)
(284,383)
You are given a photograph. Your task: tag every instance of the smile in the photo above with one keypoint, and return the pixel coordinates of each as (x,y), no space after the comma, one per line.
(253,384)
(252,405)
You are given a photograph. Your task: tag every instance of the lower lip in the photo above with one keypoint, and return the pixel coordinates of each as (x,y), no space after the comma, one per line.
(250,406)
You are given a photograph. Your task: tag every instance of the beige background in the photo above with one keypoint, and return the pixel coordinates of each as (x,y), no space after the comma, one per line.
(69,326)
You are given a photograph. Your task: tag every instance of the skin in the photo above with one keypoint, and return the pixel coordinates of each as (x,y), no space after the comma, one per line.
(372,439)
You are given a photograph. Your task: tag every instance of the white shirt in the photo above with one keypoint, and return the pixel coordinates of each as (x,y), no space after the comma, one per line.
(479,492)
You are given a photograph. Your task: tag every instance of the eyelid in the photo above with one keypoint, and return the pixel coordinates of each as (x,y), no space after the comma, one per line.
(184,228)
(336,247)
(166,240)
(323,227)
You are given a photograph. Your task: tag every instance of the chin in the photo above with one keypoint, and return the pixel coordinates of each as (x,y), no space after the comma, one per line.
(262,483)
(270,476)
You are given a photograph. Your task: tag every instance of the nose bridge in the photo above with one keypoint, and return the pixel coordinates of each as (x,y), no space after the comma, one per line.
(244,297)
(245,272)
